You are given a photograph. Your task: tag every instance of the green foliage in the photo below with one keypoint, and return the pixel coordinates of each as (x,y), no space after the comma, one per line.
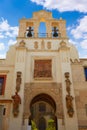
(33,125)
(50,125)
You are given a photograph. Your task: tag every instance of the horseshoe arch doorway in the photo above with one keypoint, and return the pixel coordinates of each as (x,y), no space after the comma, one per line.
(43,108)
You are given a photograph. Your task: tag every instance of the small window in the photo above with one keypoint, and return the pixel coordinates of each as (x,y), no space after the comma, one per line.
(2,84)
(85,71)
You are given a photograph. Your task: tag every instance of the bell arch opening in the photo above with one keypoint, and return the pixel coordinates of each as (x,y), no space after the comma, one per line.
(43,108)
(42,29)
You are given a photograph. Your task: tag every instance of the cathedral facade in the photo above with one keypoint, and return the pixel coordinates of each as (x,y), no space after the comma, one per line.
(43,78)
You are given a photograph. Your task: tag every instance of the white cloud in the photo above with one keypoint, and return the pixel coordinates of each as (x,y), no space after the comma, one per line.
(64,5)
(11,42)
(72,42)
(3,56)
(84,44)
(2,46)
(4,26)
(81,30)
(7,30)
(80,33)
(1,35)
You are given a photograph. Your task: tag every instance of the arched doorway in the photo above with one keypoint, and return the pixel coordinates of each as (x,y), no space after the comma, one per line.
(42,109)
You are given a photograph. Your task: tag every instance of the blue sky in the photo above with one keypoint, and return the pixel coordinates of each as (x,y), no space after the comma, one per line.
(73,11)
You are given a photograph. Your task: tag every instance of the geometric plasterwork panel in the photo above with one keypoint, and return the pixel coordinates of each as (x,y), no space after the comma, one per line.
(43,68)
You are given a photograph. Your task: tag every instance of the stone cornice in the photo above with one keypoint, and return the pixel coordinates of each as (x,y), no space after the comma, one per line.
(4,71)
(5,100)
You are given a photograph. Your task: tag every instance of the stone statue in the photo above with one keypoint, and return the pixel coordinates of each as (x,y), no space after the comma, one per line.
(69,105)
(68,83)
(16,101)
(18,81)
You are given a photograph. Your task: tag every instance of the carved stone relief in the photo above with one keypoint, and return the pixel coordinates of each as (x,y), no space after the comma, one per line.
(69,98)
(16,101)
(18,81)
(16,98)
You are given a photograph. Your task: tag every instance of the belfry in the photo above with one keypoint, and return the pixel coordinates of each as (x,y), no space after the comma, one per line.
(42,79)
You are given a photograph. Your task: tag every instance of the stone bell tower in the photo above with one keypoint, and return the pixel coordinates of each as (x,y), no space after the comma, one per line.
(42,16)
(44,62)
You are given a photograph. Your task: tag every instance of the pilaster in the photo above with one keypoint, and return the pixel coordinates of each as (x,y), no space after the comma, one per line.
(20,62)
(70,121)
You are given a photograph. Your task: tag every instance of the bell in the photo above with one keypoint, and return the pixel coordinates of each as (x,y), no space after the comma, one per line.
(29,34)
(55,34)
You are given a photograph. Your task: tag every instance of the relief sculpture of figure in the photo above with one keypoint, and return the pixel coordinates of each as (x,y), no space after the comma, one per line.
(18,81)
(16,101)
(69,105)
(68,83)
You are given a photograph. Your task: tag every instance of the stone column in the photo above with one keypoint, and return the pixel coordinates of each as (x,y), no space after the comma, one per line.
(22,28)
(48,29)
(20,64)
(36,26)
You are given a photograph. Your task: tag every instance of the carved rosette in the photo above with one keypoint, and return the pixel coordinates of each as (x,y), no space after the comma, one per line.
(69,98)
(49,45)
